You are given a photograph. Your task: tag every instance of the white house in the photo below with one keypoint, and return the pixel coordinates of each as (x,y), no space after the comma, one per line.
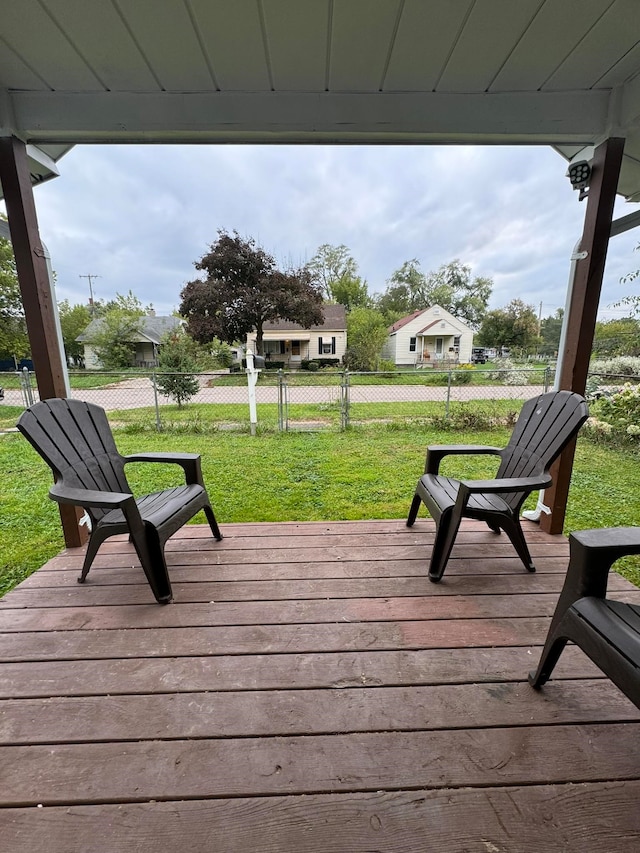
(290,343)
(429,337)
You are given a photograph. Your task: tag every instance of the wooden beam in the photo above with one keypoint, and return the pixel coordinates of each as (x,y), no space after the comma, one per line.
(262,117)
(583,308)
(37,297)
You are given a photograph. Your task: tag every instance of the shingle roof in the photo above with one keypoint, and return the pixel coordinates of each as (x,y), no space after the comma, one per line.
(152,328)
(404,320)
(334,318)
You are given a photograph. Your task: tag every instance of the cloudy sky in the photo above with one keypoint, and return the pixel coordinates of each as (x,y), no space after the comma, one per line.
(137,217)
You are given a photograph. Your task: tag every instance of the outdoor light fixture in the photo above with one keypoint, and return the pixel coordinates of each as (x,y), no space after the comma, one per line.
(579,173)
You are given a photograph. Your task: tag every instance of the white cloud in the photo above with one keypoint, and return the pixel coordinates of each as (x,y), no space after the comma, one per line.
(139,216)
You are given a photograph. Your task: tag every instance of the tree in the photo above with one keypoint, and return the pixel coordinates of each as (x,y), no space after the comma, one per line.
(178,365)
(243,290)
(330,265)
(405,292)
(14,341)
(119,327)
(451,287)
(351,292)
(550,329)
(514,326)
(74,319)
(366,335)
(617,337)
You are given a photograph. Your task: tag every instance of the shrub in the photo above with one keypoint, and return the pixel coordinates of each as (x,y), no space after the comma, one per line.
(612,368)
(313,366)
(507,374)
(461,377)
(621,412)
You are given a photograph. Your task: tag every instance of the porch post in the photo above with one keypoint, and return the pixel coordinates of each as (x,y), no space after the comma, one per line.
(37,297)
(583,309)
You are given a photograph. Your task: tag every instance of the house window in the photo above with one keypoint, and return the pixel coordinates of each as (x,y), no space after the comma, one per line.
(326,347)
(271,347)
(456,343)
(412,344)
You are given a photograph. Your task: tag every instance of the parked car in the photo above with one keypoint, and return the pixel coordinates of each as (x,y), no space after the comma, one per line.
(478,355)
(1,393)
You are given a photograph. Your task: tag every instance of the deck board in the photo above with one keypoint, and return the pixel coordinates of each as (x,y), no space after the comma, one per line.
(308,689)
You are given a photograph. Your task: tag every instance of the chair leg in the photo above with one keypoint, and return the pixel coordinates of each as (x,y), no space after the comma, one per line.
(446,531)
(151,555)
(514,532)
(213,524)
(493,526)
(413,512)
(92,549)
(553,648)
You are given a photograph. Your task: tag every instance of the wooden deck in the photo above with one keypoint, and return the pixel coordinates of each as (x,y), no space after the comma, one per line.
(308,690)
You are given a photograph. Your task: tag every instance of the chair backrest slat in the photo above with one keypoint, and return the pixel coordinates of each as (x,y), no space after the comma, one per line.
(544,428)
(75,440)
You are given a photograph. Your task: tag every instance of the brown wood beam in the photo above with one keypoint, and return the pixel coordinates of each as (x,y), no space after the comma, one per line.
(583,309)
(37,296)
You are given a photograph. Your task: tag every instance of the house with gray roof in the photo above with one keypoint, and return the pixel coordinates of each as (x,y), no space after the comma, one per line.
(292,344)
(152,331)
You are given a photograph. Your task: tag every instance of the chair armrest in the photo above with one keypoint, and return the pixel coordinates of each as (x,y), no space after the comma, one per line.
(189,462)
(437,452)
(593,552)
(88,498)
(507,484)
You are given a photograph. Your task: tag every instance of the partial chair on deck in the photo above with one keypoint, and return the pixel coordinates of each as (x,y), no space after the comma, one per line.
(545,426)
(608,631)
(75,440)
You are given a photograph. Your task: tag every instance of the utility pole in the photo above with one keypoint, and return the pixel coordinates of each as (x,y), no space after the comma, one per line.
(90,276)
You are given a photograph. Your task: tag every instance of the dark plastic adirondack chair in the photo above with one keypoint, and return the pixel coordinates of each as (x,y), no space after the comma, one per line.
(544,427)
(608,631)
(75,440)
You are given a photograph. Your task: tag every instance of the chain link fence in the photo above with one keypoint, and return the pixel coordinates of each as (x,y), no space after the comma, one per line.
(301,400)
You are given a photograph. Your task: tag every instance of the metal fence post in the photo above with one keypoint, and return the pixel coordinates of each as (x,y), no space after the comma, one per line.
(281,401)
(344,401)
(547,376)
(446,405)
(155,397)
(25,384)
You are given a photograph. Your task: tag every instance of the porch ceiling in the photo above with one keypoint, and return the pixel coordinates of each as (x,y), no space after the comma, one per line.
(342,71)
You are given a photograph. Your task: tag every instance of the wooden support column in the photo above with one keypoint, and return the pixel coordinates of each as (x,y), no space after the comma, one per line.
(35,287)
(583,309)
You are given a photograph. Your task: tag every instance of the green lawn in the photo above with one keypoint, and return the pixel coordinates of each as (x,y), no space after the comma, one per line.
(362,473)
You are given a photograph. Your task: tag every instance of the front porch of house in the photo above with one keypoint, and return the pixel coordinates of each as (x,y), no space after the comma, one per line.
(438,351)
(308,690)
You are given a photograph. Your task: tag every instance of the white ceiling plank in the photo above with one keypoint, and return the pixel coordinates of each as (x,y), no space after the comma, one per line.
(297,37)
(423,43)
(533,118)
(173,49)
(95,29)
(360,43)
(547,42)
(43,47)
(485,43)
(14,73)
(616,33)
(232,35)
(624,69)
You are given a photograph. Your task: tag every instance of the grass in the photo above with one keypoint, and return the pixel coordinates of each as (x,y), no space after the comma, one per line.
(358,474)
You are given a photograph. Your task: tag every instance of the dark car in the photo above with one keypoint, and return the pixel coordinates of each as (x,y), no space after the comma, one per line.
(1,393)
(478,355)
